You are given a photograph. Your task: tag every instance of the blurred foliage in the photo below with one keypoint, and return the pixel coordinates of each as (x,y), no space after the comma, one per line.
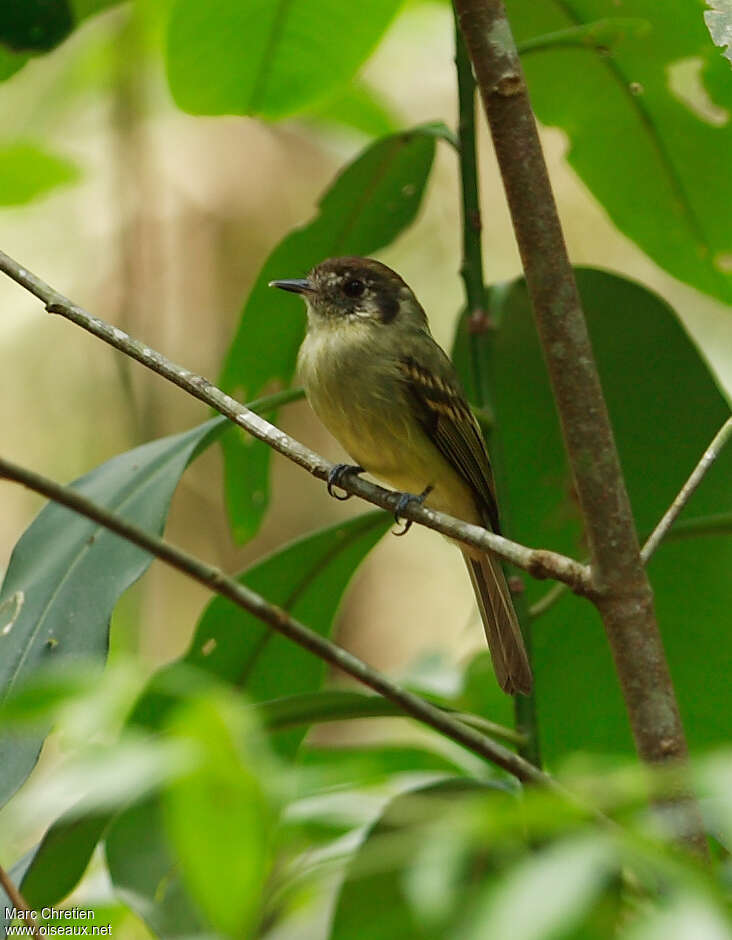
(27,171)
(218,813)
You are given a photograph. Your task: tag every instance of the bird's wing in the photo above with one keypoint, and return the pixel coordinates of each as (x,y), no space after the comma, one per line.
(434,392)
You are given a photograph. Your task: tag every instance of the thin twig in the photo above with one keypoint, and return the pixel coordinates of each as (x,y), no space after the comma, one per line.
(540,563)
(624,597)
(547,601)
(19,902)
(686,491)
(281,621)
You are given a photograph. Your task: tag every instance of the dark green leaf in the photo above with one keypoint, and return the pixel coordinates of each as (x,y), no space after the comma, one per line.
(144,872)
(641,120)
(61,858)
(27,171)
(264,57)
(40,25)
(35,25)
(66,574)
(374,199)
(306,578)
(665,408)
(10,62)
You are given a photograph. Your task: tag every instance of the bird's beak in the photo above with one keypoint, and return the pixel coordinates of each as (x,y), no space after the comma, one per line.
(295,285)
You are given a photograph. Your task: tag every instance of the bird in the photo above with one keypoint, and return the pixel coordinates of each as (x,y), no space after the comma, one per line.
(384,388)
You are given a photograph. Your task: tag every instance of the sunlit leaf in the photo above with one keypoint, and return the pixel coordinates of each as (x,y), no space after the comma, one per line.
(27,171)
(265,57)
(641,119)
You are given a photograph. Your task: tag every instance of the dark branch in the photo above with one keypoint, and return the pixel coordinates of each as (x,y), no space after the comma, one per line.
(281,621)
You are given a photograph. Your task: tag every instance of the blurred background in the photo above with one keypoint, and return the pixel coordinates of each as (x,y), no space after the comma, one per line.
(163,233)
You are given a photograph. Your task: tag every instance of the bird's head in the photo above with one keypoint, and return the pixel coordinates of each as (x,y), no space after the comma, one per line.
(355,289)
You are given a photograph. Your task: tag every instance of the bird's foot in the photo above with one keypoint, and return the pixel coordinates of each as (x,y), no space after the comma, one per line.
(336,476)
(404,500)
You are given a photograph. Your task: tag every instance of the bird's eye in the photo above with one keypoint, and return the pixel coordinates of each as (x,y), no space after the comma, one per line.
(354,288)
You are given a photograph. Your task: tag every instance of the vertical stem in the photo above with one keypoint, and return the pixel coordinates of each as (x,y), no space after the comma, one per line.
(622,592)
(480,339)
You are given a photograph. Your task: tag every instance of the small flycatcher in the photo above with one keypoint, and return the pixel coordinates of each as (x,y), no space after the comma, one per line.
(388,393)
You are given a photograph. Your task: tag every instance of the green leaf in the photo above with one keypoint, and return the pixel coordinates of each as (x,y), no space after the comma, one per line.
(546,894)
(374,199)
(219,817)
(306,578)
(376,877)
(27,171)
(145,873)
(665,408)
(357,106)
(649,128)
(35,25)
(10,62)
(268,57)
(61,858)
(40,25)
(66,574)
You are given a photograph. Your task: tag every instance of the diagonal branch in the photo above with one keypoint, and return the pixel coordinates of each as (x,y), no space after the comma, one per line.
(282,622)
(624,597)
(19,902)
(540,563)
(669,517)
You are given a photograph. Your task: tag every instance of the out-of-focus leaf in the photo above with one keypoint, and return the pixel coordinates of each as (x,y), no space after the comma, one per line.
(40,25)
(61,858)
(546,894)
(145,873)
(691,915)
(665,408)
(367,764)
(374,199)
(641,120)
(306,578)
(356,106)
(376,877)
(27,171)
(264,57)
(66,574)
(219,817)
(35,25)
(10,62)
(719,24)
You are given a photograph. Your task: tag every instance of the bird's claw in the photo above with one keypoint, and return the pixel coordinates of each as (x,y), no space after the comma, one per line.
(336,476)
(404,500)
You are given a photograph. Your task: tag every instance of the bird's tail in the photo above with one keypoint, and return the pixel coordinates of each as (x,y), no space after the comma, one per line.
(502,630)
